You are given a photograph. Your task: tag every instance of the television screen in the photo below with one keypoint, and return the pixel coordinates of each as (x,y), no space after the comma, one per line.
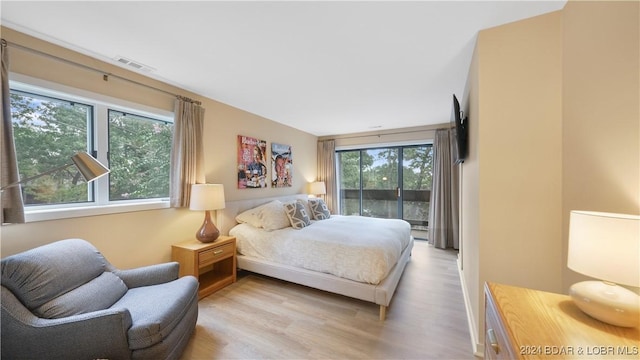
(460,131)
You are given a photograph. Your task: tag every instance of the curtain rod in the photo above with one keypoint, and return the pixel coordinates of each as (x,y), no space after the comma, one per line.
(385,134)
(105,74)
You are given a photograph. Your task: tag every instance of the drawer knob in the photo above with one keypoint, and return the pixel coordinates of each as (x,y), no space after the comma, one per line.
(218,252)
(493,341)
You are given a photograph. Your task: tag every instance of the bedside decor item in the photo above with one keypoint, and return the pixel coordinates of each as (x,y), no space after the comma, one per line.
(207,197)
(606,246)
(317,188)
(87,165)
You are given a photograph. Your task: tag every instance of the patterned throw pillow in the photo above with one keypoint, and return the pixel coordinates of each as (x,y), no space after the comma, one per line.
(297,215)
(319,209)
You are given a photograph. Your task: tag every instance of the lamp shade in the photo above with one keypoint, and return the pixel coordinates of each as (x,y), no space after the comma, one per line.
(88,166)
(317,188)
(605,246)
(207,197)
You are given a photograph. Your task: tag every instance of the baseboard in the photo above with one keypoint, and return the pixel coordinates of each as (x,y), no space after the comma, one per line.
(478,349)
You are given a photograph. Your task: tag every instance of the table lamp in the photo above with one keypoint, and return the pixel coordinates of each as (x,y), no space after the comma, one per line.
(317,188)
(606,246)
(87,165)
(207,197)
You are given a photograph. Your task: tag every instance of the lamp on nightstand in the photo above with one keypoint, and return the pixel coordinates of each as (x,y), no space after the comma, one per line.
(606,246)
(317,188)
(207,197)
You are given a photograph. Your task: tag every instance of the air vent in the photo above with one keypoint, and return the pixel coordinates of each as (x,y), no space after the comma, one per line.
(136,65)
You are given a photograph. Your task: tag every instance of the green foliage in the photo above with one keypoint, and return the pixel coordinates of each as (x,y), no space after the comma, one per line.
(139,156)
(380,172)
(48,132)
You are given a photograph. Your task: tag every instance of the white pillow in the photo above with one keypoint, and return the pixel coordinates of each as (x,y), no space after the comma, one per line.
(273,216)
(251,216)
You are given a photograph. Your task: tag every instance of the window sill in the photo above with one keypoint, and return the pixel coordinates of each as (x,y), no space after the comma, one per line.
(68,213)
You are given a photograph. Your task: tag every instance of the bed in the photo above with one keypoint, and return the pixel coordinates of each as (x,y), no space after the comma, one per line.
(373,278)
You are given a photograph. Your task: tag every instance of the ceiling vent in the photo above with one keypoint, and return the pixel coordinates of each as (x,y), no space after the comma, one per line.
(133,64)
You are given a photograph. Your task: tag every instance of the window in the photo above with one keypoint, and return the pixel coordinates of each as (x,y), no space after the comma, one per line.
(47,132)
(139,156)
(51,125)
(389,182)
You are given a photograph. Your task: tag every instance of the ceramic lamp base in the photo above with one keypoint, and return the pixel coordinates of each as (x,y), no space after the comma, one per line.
(208,232)
(607,302)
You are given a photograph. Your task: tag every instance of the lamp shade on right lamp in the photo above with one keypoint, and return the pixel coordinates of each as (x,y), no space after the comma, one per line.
(606,246)
(317,188)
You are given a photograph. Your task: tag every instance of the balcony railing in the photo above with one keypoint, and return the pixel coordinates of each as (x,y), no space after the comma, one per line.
(384,203)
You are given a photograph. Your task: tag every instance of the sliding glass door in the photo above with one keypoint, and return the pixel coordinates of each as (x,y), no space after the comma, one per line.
(390,182)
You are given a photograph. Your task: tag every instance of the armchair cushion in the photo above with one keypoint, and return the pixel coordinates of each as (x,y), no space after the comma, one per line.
(40,275)
(98,294)
(156,310)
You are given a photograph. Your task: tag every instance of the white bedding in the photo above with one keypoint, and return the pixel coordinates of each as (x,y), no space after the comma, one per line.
(358,248)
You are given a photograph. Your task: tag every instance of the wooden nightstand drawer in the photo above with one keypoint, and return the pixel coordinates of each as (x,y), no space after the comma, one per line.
(212,255)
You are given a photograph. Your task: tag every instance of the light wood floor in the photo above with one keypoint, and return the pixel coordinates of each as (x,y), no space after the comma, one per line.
(263,318)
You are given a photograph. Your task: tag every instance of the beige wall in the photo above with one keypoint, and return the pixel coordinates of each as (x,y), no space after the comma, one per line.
(145,237)
(511,183)
(601,114)
(555,124)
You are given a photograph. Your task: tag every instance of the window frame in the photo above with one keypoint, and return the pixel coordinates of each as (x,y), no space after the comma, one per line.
(101,204)
(365,147)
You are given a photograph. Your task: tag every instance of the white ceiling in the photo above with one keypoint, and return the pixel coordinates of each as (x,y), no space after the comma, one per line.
(323,67)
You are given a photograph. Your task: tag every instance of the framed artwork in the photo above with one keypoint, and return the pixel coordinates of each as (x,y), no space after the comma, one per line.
(252,163)
(281,165)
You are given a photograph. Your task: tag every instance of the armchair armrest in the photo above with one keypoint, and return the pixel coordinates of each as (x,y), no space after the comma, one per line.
(99,334)
(149,275)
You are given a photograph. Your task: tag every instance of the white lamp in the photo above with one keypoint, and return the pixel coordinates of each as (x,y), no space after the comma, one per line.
(207,197)
(317,188)
(607,247)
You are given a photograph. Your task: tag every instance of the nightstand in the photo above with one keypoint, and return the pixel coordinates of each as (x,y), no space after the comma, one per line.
(213,264)
(524,323)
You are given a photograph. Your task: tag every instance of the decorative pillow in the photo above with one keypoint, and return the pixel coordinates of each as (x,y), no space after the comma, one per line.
(297,215)
(319,209)
(305,203)
(273,216)
(98,294)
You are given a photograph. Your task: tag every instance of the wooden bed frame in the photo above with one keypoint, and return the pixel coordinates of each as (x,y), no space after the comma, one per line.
(380,294)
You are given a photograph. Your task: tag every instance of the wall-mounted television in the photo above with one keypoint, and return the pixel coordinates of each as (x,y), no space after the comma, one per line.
(461,132)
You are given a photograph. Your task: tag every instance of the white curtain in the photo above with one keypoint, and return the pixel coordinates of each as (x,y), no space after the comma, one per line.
(187,151)
(444,212)
(12,206)
(327,172)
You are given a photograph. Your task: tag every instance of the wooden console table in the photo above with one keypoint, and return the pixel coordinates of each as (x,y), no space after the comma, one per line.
(529,324)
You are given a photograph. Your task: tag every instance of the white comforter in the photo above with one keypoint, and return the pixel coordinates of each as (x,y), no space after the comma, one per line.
(353,247)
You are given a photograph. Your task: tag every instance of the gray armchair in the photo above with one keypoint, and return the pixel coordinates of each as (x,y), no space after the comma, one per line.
(64,300)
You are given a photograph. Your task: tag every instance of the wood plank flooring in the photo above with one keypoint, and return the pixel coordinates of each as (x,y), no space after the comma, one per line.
(263,318)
